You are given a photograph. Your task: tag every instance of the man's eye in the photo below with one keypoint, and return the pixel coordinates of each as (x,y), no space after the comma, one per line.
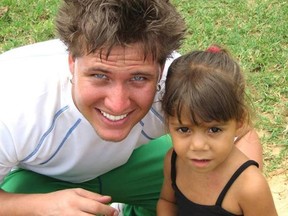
(214,130)
(183,130)
(100,76)
(138,78)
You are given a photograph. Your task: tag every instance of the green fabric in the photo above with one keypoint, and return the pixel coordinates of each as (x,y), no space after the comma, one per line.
(132,210)
(136,183)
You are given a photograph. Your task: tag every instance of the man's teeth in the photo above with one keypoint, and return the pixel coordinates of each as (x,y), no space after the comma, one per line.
(112,117)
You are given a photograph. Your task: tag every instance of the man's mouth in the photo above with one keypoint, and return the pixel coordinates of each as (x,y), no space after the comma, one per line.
(112,117)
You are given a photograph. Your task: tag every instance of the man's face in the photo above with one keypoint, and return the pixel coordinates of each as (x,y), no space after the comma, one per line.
(114,94)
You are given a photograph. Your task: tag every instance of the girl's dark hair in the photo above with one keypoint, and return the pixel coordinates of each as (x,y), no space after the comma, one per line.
(86,26)
(209,84)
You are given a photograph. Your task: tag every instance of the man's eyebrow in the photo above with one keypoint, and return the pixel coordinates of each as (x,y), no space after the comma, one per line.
(143,72)
(137,72)
(146,74)
(98,69)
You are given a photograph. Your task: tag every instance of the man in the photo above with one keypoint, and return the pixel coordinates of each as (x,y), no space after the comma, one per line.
(74,133)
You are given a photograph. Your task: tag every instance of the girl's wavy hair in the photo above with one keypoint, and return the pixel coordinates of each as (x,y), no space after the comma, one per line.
(209,85)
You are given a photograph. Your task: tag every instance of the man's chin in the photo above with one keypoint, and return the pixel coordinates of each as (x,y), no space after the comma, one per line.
(113,137)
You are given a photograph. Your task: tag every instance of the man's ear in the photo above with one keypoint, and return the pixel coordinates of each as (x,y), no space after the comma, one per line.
(161,72)
(71,61)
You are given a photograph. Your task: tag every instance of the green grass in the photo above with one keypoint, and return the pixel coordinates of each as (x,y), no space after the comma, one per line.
(255,31)
(25,22)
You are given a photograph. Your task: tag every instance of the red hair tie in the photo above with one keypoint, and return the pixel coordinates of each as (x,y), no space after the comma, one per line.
(214,49)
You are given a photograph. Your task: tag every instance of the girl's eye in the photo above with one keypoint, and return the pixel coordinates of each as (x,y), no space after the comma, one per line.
(214,130)
(183,130)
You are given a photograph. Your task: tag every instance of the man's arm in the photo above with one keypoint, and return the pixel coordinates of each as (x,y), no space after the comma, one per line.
(64,202)
(249,143)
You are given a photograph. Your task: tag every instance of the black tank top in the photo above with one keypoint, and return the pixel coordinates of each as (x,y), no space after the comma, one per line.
(189,208)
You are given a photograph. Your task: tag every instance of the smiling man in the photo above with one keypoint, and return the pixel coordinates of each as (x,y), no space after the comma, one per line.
(70,121)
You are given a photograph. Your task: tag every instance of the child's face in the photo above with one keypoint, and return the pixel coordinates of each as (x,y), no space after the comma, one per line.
(205,146)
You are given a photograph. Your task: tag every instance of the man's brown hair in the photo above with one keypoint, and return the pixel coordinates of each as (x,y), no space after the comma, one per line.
(86,26)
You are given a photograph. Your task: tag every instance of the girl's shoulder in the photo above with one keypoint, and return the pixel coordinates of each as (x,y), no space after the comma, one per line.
(253,193)
(251,181)
(168,159)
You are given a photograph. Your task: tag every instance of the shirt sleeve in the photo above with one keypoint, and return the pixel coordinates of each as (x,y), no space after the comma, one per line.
(169,60)
(8,158)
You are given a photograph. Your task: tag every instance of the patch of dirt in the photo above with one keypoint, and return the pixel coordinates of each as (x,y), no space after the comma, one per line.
(3,11)
(279,187)
(278,178)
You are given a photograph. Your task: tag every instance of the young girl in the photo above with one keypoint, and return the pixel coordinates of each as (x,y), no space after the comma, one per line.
(205,173)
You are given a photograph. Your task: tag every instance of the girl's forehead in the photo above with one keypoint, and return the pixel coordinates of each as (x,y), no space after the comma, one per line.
(184,116)
(188,116)
(186,120)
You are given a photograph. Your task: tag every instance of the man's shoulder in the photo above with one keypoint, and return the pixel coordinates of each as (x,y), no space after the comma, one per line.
(44,48)
(32,70)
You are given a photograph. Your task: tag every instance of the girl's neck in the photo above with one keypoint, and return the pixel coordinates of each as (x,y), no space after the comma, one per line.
(207,186)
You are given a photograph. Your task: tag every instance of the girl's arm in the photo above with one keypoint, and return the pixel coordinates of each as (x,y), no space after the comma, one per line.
(255,196)
(166,204)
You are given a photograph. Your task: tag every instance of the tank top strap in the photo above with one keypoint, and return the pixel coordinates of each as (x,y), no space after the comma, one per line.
(233,178)
(173,167)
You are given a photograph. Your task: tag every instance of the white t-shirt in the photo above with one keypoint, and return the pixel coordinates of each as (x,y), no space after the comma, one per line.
(42,130)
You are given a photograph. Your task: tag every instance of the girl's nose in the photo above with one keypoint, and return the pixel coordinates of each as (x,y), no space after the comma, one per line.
(198,142)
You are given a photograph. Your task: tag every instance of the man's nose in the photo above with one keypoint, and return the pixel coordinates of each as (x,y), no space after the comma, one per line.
(118,99)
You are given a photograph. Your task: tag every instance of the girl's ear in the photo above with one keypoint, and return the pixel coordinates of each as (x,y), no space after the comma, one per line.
(240,124)
(242,129)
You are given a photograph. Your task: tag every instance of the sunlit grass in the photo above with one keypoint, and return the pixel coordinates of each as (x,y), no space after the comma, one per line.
(25,22)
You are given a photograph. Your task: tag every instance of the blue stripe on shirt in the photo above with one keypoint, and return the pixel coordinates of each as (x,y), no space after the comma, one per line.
(63,141)
(157,114)
(46,133)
